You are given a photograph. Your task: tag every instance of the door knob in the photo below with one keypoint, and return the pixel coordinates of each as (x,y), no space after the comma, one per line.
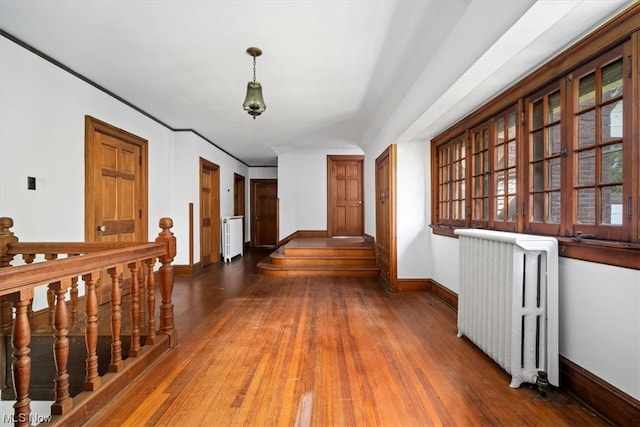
(101,228)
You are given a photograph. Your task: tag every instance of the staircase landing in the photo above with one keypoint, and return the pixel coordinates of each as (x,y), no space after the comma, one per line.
(338,256)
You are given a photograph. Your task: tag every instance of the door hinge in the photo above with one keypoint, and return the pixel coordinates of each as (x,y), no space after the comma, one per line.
(140,214)
(139,160)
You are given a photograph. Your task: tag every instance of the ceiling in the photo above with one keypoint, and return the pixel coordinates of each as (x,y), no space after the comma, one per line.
(336,74)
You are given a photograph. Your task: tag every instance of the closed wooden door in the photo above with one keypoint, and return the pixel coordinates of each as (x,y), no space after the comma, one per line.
(385,217)
(345,216)
(239,197)
(209,212)
(264,212)
(115,184)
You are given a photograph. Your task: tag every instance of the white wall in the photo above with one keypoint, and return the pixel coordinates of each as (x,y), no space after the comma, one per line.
(412,229)
(302,189)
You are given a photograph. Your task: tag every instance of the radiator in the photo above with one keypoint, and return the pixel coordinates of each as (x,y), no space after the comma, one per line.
(232,243)
(508,301)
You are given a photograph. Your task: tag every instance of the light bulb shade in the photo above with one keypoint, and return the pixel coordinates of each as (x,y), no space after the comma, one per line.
(253,102)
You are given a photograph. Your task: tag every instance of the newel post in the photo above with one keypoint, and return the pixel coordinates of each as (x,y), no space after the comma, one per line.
(165,275)
(6,238)
(6,314)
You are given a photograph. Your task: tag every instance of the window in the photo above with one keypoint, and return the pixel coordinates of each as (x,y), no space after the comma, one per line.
(559,158)
(544,204)
(504,178)
(480,174)
(601,147)
(451,179)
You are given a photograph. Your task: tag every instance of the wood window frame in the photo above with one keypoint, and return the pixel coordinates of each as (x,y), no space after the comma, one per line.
(621,34)
(480,175)
(450,171)
(536,221)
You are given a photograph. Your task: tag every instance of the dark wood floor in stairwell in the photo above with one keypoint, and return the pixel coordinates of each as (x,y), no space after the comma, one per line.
(323,351)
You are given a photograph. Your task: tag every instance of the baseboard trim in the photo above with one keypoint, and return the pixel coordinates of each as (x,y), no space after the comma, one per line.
(610,402)
(187,270)
(408,285)
(444,294)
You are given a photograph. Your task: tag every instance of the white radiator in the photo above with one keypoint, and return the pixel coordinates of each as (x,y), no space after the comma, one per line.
(232,243)
(508,301)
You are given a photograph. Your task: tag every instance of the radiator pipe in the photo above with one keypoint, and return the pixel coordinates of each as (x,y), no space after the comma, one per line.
(542,382)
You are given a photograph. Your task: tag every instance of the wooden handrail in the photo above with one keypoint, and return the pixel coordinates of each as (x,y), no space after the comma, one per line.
(18,278)
(85,260)
(79,248)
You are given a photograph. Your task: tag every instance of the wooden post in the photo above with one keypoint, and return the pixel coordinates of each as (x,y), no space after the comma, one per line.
(6,312)
(166,280)
(116,318)
(134,310)
(6,238)
(20,340)
(51,294)
(63,402)
(151,302)
(92,380)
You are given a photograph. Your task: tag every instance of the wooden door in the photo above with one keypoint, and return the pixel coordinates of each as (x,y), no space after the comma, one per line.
(209,212)
(385,216)
(264,212)
(239,197)
(345,216)
(115,184)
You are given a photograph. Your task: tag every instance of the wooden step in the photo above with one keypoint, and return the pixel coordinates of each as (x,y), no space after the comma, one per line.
(279,258)
(322,257)
(279,271)
(328,252)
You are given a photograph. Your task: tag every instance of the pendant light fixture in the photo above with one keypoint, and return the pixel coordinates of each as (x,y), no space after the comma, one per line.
(253,102)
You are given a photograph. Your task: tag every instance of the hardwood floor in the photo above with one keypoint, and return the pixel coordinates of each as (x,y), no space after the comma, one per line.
(257,350)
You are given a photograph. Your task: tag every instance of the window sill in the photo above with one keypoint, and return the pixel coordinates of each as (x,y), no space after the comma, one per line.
(619,254)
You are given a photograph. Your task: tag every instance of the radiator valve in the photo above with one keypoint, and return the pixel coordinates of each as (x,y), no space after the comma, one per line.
(542,382)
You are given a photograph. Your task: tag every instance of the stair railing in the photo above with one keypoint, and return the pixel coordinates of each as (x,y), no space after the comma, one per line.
(86,261)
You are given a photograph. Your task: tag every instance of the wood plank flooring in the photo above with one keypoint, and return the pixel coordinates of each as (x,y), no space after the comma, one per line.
(320,351)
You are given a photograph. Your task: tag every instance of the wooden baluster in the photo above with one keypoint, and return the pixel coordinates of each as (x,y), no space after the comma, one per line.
(28,259)
(63,401)
(74,299)
(166,280)
(134,291)
(51,295)
(93,380)
(51,301)
(20,340)
(142,290)
(73,293)
(151,302)
(116,318)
